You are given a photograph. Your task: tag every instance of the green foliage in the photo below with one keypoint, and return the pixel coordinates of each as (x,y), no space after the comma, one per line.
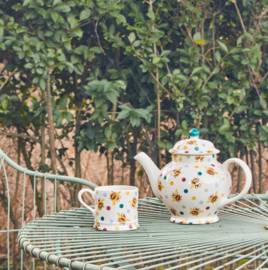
(105,58)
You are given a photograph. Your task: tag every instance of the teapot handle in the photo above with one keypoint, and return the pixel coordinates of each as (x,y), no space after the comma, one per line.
(248,181)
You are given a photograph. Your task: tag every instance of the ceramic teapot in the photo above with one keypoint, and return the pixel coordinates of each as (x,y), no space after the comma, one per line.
(194,186)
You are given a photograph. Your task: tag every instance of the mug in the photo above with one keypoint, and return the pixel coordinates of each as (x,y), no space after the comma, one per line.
(116,207)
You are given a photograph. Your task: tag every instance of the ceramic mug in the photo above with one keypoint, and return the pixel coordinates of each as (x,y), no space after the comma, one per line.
(116,207)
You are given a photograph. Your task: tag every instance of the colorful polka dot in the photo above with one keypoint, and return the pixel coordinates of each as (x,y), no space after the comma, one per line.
(166,196)
(187,156)
(128,211)
(117,228)
(230,188)
(193,198)
(213,155)
(180,159)
(108,208)
(161,174)
(186,166)
(181,213)
(209,214)
(223,179)
(104,229)
(199,173)
(206,190)
(165,177)
(216,185)
(130,226)
(173,220)
(203,144)
(222,194)
(127,193)
(212,165)
(209,159)
(196,167)
(111,221)
(183,179)
(171,183)
(185,147)
(121,205)
(186,152)
(136,192)
(97,213)
(216,212)
(185,191)
(199,221)
(183,206)
(207,208)
(104,195)
(201,202)
(102,218)
(196,148)
(191,223)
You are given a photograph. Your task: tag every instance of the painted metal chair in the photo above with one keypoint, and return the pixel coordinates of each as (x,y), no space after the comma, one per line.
(66,238)
(5,234)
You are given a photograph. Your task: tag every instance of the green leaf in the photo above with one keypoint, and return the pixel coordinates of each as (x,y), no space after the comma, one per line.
(63,8)
(111,96)
(85,14)
(42,84)
(74,59)
(216,70)
(225,125)
(123,115)
(95,49)
(230,100)
(4,103)
(107,132)
(265,128)
(156,60)
(178,132)
(54,16)
(184,124)
(223,46)
(29,65)
(26,2)
(14,98)
(161,144)
(197,69)
(229,137)
(197,36)
(132,37)
(206,68)
(78,32)
(218,56)
(111,144)
(150,14)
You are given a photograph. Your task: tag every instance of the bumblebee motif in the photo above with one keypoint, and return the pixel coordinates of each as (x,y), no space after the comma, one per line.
(192,143)
(199,158)
(115,197)
(122,219)
(207,222)
(185,221)
(176,173)
(196,183)
(173,211)
(100,204)
(97,225)
(178,147)
(213,198)
(136,226)
(210,171)
(175,158)
(134,202)
(210,152)
(195,211)
(176,197)
(160,186)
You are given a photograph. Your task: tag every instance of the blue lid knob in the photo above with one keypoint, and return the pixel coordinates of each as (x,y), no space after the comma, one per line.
(194,132)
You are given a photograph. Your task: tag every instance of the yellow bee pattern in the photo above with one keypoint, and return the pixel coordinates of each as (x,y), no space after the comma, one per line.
(122,219)
(196,183)
(173,211)
(192,142)
(100,204)
(195,211)
(160,186)
(210,171)
(115,197)
(213,198)
(176,173)
(134,202)
(176,197)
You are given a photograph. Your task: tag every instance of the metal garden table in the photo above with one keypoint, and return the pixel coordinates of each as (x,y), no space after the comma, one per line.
(238,241)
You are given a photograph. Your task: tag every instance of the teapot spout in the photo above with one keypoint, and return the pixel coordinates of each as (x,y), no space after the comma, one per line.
(151,170)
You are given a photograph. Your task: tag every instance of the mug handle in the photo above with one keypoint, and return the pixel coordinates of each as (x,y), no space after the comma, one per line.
(93,211)
(248,181)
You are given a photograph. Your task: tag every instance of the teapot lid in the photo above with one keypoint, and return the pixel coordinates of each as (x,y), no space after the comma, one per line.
(194,146)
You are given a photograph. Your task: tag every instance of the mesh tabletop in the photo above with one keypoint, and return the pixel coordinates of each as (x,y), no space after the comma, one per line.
(238,241)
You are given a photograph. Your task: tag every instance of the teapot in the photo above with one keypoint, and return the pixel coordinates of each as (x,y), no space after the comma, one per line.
(194,186)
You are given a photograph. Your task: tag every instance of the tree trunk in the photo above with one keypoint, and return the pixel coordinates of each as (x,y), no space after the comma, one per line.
(260,168)
(43,156)
(136,131)
(51,134)
(253,170)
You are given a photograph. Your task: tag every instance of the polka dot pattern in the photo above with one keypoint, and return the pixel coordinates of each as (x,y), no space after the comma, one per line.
(185,191)
(171,183)
(102,218)
(121,205)
(104,195)
(193,198)
(199,173)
